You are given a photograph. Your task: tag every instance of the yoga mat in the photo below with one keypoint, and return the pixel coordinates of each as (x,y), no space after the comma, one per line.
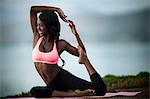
(107,95)
(112,94)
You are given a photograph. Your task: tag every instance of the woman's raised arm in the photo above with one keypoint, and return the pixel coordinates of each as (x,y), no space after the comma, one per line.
(74,31)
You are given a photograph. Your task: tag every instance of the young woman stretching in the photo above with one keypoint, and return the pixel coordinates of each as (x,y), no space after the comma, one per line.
(47,48)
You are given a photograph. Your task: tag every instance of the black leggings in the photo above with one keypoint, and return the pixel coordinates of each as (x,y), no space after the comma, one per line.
(65,81)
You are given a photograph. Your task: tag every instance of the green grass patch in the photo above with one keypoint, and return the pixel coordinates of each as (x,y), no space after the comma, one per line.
(131,81)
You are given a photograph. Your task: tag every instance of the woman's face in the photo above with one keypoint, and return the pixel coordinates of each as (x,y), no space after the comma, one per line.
(40,27)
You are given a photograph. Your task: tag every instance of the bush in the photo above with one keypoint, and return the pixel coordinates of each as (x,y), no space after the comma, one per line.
(119,82)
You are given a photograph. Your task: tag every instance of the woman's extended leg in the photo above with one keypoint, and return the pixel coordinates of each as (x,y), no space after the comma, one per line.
(65,81)
(46,92)
(97,81)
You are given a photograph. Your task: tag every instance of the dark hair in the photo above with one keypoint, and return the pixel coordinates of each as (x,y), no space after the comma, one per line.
(51,21)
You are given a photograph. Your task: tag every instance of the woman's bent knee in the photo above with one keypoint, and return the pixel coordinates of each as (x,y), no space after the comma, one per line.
(101,91)
(41,92)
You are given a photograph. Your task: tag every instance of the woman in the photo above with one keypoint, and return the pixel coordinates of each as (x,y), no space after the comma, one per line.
(47,48)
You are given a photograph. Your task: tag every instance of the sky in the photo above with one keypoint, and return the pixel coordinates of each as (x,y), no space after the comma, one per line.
(115,33)
(95,10)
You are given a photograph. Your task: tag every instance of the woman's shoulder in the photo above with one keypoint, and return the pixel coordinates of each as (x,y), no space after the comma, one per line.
(62,41)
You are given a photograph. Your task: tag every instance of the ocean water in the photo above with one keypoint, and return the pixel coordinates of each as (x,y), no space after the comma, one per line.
(19,74)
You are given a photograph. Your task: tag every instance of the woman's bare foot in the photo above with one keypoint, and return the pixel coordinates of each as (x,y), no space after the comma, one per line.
(87,92)
(82,55)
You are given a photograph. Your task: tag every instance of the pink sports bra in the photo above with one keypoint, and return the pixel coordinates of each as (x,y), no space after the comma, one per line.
(45,57)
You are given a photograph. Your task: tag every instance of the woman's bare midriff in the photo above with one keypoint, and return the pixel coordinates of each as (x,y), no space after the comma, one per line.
(47,71)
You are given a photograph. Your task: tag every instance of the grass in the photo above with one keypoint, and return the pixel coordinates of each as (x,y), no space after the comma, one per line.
(114,83)
(118,82)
